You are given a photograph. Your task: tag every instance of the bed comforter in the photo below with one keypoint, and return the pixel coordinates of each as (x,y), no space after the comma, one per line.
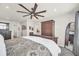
(25,47)
(31,46)
(50,44)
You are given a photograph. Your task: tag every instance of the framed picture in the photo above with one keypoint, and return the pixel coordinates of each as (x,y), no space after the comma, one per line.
(29,27)
(32,28)
(38,31)
(23,27)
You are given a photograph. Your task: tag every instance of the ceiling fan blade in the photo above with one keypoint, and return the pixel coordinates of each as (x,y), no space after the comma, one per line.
(31,16)
(40,15)
(23,12)
(36,17)
(40,12)
(34,9)
(24,7)
(25,15)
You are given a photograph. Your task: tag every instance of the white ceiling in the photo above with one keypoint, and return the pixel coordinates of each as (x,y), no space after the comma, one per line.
(8,10)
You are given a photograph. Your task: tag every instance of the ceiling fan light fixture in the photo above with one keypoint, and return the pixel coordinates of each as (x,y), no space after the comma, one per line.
(32,14)
(7,7)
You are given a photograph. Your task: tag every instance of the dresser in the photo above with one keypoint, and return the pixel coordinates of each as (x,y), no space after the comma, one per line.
(6,34)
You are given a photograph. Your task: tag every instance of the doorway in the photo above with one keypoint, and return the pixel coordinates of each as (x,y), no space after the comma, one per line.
(69,35)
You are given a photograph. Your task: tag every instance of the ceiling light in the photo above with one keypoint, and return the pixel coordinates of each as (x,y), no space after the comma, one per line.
(55,10)
(7,7)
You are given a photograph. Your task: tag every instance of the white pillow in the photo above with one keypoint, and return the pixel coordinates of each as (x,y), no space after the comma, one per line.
(2,46)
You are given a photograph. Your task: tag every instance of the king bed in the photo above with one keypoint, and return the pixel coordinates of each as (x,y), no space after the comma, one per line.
(31,46)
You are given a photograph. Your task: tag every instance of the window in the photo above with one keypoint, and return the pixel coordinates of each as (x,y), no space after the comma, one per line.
(3,25)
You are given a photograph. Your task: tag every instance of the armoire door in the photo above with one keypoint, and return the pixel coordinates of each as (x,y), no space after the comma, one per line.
(47,28)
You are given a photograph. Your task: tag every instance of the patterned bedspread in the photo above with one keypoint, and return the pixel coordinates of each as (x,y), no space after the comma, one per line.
(25,47)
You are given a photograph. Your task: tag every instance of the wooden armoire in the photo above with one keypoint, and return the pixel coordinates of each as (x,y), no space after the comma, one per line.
(48,29)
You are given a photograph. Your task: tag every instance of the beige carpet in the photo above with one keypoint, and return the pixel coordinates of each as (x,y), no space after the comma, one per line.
(66,52)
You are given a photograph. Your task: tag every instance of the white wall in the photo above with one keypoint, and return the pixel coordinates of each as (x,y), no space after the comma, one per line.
(14,27)
(60,27)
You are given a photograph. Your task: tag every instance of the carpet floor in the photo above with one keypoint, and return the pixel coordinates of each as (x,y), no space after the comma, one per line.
(65,52)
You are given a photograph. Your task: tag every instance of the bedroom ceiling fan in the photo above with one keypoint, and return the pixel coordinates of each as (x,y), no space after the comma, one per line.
(32,13)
